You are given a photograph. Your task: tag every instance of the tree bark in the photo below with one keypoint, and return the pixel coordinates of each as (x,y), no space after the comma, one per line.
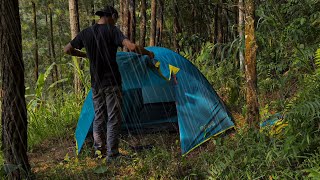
(176,28)
(126,20)
(132,11)
(122,4)
(93,21)
(75,29)
(220,25)
(14,112)
(143,23)
(35,29)
(252,115)
(159,23)
(49,41)
(217,31)
(193,17)
(216,24)
(241,34)
(53,53)
(153,23)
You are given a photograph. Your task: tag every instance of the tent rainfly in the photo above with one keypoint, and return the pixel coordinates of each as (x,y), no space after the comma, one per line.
(167,89)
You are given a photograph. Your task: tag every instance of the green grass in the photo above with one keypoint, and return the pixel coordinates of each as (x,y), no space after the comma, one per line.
(247,155)
(52,119)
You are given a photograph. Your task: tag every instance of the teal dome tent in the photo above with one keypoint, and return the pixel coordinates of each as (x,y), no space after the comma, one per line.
(166,89)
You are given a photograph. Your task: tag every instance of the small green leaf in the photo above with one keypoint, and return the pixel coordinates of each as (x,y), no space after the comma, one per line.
(66,158)
(101,170)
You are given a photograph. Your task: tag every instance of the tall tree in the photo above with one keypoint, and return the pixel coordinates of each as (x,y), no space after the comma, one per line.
(217,30)
(35,29)
(126,20)
(153,22)
(218,24)
(93,21)
(52,53)
(121,4)
(159,22)
(240,30)
(14,112)
(252,115)
(143,23)
(132,11)
(193,17)
(75,29)
(49,40)
(176,27)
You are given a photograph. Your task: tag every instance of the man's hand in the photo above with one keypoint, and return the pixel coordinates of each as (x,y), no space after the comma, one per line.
(137,49)
(68,49)
(151,55)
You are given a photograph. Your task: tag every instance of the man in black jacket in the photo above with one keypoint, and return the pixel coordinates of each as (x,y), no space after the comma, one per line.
(101,42)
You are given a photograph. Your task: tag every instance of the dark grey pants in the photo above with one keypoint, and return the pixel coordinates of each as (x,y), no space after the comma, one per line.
(107,106)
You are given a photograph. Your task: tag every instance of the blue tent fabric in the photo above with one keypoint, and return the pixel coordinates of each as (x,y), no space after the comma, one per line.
(149,93)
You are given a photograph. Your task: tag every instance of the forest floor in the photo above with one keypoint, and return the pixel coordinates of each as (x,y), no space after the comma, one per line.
(56,159)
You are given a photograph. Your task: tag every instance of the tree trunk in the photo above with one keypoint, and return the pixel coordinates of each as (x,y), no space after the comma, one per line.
(122,4)
(153,22)
(53,53)
(126,20)
(241,34)
(216,23)
(143,23)
(61,53)
(159,23)
(220,25)
(193,17)
(252,115)
(132,10)
(218,30)
(14,112)
(49,41)
(176,28)
(225,25)
(36,54)
(75,29)
(93,21)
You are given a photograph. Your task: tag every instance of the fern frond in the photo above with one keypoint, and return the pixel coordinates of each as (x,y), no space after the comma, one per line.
(317,58)
(317,62)
(306,109)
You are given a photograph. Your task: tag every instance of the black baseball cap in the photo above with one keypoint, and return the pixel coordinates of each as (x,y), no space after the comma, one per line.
(107,11)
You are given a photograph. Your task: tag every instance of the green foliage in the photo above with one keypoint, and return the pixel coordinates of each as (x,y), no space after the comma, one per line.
(303,118)
(2,173)
(317,62)
(82,72)
(312,166)
(53,118)
(251,155)
(36,99)
(287,36)
(224,74)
